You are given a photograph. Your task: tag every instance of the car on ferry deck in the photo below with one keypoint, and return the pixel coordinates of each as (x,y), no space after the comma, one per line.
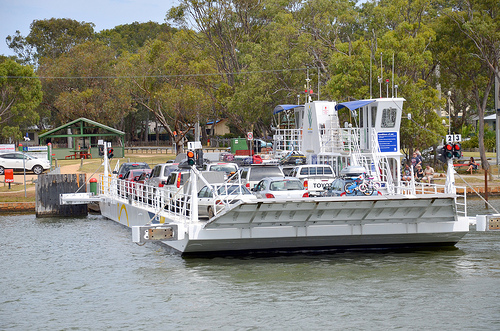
(227,167)
(227,193)
(314,177)
(251,175)
(280,188)
(132,176)
(124,167)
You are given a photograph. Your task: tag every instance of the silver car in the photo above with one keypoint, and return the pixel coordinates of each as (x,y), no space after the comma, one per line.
(15,160)
(280,188)
(227,194)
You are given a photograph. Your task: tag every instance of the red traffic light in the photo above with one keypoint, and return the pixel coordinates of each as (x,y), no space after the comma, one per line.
(190,160)
(457,147)
(448,147)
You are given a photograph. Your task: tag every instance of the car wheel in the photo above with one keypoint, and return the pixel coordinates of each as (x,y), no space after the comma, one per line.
(210,211)
(38,169)
(2,171)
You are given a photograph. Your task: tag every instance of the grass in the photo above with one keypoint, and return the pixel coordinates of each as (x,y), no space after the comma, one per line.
(16,193)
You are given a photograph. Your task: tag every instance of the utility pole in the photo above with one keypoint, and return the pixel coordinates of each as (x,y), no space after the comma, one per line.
(497,107)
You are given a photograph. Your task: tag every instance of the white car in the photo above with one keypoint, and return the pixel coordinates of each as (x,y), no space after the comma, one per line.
(280,188)
(228,194)
(14,160)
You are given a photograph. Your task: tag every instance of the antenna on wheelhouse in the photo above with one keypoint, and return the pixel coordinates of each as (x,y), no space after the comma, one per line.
(381,78)
(307,88)
(318,82)
(371,60)
(393,75)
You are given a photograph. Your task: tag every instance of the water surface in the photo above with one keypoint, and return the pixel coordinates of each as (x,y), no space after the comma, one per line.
(86,274)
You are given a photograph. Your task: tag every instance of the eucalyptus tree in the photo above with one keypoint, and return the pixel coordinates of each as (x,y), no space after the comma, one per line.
(131,37)
(82,83)
(20,94)
(173,80)
(49,38)
(224,29)
(479,22)
(394,34)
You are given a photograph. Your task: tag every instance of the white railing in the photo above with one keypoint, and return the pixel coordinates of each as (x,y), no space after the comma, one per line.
(165,201)
(419,188)
(160,200)
(287,140)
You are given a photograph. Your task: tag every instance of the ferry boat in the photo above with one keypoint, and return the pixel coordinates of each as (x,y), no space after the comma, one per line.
(404,214)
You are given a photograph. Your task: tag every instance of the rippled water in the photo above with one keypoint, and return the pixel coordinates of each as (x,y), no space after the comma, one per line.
(85,273)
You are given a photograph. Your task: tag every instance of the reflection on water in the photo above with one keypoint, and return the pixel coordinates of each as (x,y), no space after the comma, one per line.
(85,273)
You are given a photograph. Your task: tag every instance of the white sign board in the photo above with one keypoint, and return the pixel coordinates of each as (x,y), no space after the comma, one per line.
(250,136)
(7,148)
(192,145)
(450,138)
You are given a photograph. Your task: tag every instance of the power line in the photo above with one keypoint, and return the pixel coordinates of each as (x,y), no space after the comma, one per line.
(152,76)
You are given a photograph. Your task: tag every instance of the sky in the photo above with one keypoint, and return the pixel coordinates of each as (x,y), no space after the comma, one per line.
(105,14)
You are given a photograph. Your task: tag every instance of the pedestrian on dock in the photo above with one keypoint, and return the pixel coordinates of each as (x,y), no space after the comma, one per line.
(428,174)
(419,173)
(406,175)
(415,160)
(472,165)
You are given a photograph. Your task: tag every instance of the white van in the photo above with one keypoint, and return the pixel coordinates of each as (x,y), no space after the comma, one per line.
(314,177)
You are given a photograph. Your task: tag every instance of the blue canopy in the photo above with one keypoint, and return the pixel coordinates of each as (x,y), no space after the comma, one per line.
(280,108)
(352,105)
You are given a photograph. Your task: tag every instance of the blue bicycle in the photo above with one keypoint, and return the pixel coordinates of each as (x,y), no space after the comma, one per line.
(357,184)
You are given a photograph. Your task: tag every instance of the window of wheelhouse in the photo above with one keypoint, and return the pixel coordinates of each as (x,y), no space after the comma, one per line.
(389,116)
(374,115)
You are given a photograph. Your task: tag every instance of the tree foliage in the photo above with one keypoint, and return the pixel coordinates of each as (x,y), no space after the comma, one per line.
(237,59)
(50,38)
(84,85)
(20,94)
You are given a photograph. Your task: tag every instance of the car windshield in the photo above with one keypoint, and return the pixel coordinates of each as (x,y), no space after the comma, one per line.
(258,173)
(226,168)
(134,166)
(286,185)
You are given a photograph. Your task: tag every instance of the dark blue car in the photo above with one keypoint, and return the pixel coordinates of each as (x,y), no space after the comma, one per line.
(338,188)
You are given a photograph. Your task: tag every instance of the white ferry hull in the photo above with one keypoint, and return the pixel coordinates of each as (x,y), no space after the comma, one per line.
(311,224)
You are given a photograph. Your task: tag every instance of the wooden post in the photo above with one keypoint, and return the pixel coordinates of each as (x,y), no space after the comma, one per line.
(486,187)
(48,188)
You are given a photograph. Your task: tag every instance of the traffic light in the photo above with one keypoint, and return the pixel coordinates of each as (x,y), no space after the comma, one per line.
(441,154)
(191,160)
(448,151)
(110,153)
(199,158)
(457,150)
(101,150)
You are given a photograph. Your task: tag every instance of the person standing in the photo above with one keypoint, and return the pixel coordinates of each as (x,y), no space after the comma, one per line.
(415,160)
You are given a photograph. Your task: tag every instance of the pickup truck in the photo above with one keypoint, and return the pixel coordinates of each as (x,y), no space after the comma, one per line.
(314,177)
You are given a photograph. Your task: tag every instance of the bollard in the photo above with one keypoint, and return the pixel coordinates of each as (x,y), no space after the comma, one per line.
(93,186)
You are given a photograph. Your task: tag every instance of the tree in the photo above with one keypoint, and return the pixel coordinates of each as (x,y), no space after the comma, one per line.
(479,21)
(20,94)
(50,38)
(173,80)
(82,83)
(131,37)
